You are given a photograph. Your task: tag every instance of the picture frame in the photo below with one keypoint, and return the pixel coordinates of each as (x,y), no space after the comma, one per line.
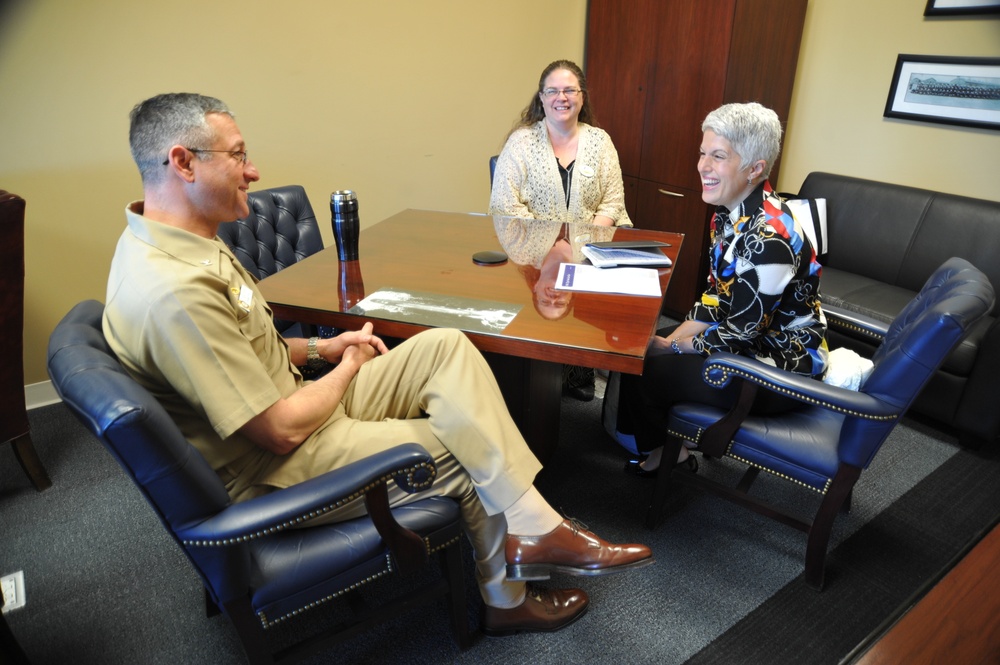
(948,90)
(961,7)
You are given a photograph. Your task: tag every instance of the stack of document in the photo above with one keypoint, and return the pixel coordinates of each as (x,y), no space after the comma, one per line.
(614,254)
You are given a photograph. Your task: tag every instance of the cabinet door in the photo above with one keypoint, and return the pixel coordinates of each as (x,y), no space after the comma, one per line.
(764,54)
(631,196)
(689,81)
(621,45)
(682,211)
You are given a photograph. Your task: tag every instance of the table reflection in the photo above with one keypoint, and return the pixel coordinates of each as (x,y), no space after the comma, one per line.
(537,247)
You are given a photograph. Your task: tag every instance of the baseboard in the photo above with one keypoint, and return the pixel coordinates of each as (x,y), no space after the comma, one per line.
(40,394)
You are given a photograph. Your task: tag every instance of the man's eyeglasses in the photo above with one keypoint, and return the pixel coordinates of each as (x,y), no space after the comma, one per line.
(235,154)
(569,92)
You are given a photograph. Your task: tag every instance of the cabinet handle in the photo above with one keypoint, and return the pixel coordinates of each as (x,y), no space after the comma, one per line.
(663,191)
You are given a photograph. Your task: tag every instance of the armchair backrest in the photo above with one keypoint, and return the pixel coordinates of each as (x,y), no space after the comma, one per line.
(13,416)
(280,230)
(954,298)
(173,476)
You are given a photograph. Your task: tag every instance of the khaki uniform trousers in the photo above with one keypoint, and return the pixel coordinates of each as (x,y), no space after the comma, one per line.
(437,390)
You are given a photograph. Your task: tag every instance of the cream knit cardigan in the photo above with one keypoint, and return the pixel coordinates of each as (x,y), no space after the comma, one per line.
(527,184)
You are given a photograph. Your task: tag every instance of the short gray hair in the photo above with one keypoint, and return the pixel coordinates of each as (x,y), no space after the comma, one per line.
(167,120)
(753,130)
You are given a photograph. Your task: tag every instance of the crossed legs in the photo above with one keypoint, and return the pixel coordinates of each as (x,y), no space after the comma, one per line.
(437,390)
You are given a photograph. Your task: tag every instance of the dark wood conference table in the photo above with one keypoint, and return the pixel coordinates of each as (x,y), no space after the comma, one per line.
(416,272)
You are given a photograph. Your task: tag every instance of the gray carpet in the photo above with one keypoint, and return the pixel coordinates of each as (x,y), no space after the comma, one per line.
(105,584)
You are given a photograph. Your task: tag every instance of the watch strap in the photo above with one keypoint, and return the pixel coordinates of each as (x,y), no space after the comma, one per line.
(313,359)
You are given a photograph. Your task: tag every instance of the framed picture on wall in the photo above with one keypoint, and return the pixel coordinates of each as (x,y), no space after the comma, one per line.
(955,7)
(947,90)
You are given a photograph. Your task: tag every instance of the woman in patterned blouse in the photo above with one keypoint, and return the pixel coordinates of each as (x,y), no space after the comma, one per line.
(762,299)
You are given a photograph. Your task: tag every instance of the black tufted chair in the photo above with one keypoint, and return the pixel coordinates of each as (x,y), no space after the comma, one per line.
(826,443)
(280,230)
(260,562)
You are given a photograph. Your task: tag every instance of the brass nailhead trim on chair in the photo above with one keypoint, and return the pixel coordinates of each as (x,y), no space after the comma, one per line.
(432,550)
(268,623)
(316,513)
(410,476)
(853,327)
(826,485)
(729,453)
(726,371)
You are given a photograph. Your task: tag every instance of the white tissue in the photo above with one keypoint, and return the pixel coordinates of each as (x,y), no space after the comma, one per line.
(847,369)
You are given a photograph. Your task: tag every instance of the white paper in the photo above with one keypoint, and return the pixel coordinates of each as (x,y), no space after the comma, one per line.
(629,281)
(618,257)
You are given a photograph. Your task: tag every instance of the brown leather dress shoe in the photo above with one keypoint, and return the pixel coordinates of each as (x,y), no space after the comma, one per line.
(570,549)
(543,611)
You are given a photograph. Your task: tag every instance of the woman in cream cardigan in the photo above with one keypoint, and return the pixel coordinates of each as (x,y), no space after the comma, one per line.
(556,165)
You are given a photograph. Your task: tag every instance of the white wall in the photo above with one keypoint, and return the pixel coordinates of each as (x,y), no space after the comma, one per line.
(402,101)
(846,63)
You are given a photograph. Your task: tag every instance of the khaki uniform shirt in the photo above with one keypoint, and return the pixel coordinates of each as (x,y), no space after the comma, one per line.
(189,324)
(187,321)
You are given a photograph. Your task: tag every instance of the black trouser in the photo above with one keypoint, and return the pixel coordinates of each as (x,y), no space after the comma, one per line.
(667,378)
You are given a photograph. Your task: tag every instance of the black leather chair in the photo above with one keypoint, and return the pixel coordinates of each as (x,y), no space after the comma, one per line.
(826,443)
(14,426)
(280,230)
(260,561)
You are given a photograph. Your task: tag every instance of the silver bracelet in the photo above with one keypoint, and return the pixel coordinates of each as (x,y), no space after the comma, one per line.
(673,345)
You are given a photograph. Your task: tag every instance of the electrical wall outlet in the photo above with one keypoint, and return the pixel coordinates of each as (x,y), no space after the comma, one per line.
(13,591)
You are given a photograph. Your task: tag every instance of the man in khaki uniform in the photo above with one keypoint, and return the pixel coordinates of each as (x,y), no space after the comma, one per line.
(189,323)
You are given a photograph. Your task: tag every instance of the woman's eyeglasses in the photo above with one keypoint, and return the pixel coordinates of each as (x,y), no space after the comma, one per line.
(569,92)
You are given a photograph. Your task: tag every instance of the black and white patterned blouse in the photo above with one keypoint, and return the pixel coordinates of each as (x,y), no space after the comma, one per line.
(763,297)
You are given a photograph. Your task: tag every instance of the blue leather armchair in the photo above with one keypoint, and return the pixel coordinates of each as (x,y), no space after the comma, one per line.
(826,443)
(260,561)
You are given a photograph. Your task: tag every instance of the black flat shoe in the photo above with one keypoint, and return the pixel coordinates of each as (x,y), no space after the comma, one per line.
(691,464)
(580,393)
(579,382)
(633,467)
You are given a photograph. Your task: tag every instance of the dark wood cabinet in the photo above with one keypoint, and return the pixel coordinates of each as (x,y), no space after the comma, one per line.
(682,211)
(14,424)
(655,68)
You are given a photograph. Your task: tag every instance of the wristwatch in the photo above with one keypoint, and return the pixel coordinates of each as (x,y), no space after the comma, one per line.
(673,345)
(313,359)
